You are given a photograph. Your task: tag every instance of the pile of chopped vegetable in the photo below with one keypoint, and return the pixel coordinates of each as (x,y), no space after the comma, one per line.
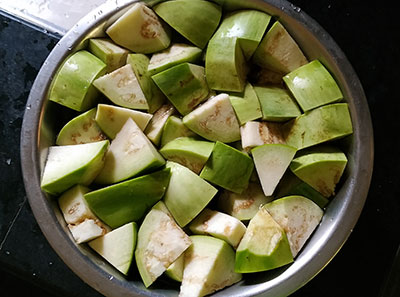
(203,147)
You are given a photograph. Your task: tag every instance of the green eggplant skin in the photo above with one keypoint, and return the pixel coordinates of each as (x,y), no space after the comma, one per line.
(130,200)
(228,168)
(72,86)
(197,24)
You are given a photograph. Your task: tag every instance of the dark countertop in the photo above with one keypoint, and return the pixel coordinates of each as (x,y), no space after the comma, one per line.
(367,33)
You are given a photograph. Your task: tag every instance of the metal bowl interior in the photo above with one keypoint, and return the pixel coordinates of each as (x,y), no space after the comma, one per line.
(41,123)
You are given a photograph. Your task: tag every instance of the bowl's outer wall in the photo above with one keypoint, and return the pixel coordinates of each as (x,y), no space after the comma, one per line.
(38,133)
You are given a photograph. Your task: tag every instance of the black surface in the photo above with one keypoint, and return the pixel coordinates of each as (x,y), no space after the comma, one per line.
(27,261)
(366,31)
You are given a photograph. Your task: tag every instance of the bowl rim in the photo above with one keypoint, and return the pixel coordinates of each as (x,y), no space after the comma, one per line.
(338,221)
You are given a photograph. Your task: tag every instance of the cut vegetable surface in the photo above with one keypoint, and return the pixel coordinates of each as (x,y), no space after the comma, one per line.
(209,266)
(215,120)
(184,85)
(73,205)
(258,133)
(82,222)
(176,54)
(69,165)
(271,162)
(298,216)
(155,128)
(111,118)
(118,246)
(264,245)
(154,97)
(87,230)
(160,242)
(243,206)
(187,194)
(81,129)
(122,87)
(130,153)
(321,167)
(218,164)
(278,51)
(140,30)
(111,54)
(219,225)
(189,152)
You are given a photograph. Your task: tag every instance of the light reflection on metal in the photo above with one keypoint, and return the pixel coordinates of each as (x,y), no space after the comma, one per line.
(53,16)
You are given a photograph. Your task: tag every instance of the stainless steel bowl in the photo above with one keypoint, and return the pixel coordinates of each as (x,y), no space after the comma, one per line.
(41,123)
